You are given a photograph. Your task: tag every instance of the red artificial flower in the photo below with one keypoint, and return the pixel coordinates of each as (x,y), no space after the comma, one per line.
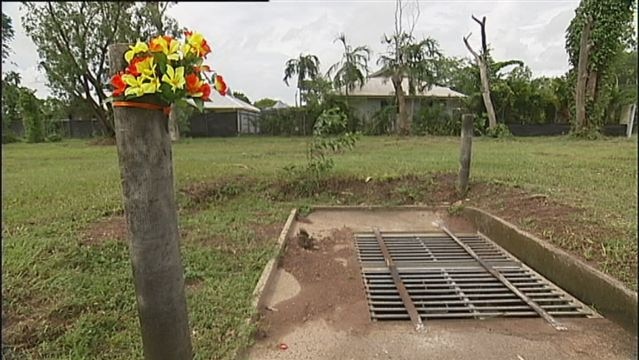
(204,68)
(133,68)
(193,84)
(206,49)
(220,85)
(206,91)
(118,84)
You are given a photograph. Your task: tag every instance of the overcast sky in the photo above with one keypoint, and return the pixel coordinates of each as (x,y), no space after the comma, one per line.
(252,41)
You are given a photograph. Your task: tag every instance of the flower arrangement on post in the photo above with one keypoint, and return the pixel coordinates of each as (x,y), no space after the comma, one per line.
(168,69)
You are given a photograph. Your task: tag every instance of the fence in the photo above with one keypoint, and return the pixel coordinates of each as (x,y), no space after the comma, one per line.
(71,128)
(562,129)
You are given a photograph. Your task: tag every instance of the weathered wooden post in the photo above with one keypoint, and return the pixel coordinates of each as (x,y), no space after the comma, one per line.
(146,168)
(465,154)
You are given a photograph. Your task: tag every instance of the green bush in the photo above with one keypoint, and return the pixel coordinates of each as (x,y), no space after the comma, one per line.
(500,131)
(54,137)
(435,120)
(32,117)
(381,122)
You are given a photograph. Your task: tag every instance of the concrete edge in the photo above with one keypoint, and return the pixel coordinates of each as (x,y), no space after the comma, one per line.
(271,265)
(607,295)
(266,276)
(376,207)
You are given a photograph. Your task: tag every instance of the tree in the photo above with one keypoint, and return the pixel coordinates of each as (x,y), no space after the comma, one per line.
(408,59)
(482,61)
(7,36)
(352,69)
(596,35)
(29,107)
(72,40)
(241,96)
(265,103)
(11,90)
(306,67)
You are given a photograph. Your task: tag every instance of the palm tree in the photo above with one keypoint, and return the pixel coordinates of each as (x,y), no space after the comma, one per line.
(352,69)
(416,61)
(306,67)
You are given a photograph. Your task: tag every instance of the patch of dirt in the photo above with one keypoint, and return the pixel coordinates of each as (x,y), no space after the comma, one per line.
(202,194)
(331,287)
(102,141)
(109,228)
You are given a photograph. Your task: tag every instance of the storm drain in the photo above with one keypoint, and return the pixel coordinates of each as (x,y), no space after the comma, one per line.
(443,280)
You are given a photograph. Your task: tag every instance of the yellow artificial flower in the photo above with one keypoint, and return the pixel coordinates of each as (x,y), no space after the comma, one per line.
(196,43)
(146,68)
(138,87)
(139,47)
(174,77)
(166,45)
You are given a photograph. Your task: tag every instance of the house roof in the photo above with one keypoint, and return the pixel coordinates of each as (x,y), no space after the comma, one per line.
(382,87)
(228,102)
(279,105)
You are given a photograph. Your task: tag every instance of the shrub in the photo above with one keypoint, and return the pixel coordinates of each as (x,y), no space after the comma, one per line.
(435,120)
(32,117)
(500,131)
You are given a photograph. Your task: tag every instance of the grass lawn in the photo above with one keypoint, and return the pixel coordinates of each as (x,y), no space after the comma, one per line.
(67,291)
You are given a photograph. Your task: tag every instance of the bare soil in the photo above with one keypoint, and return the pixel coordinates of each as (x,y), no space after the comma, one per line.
(108,228)
(331,287)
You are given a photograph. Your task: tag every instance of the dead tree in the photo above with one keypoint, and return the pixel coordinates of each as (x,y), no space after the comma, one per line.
(482,63)
(583,80)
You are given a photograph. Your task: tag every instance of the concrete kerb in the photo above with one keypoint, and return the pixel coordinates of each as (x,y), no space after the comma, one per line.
(271,266)
(607,295)
(267,275)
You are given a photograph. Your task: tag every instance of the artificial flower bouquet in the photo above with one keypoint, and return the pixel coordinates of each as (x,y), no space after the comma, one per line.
(169,69)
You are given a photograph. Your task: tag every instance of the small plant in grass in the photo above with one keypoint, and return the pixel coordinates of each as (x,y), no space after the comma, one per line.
(455,209)
(330,136)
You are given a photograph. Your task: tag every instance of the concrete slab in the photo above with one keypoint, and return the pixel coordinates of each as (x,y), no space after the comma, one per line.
(529,339)
(328,317)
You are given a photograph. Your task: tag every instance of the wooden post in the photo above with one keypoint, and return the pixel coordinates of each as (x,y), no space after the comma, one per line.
(146,168)
(465,154)
(631,120)
(174,129)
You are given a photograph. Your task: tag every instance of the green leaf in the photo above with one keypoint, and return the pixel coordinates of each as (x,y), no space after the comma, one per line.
(199,104)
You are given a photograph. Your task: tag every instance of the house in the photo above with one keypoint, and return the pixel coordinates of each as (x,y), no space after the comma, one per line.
(378,92)
(278,105)
(224,116)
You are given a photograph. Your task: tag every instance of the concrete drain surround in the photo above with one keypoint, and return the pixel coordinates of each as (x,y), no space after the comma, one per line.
(445,282)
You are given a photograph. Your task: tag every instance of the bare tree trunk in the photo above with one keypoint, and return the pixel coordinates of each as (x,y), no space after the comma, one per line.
(465,153)
(146,168)
(174,130)
(485,84)
(404,123)
(485,94)
(582,77)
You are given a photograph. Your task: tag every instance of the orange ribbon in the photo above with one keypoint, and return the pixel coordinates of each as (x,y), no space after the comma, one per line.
(165,109)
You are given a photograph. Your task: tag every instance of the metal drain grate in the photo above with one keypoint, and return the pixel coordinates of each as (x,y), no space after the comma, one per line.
(445,281)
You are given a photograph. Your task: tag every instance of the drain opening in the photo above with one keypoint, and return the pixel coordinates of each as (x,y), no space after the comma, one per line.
(444,281)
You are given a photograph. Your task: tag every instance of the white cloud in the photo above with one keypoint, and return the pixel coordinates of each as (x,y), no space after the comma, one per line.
(252,41)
